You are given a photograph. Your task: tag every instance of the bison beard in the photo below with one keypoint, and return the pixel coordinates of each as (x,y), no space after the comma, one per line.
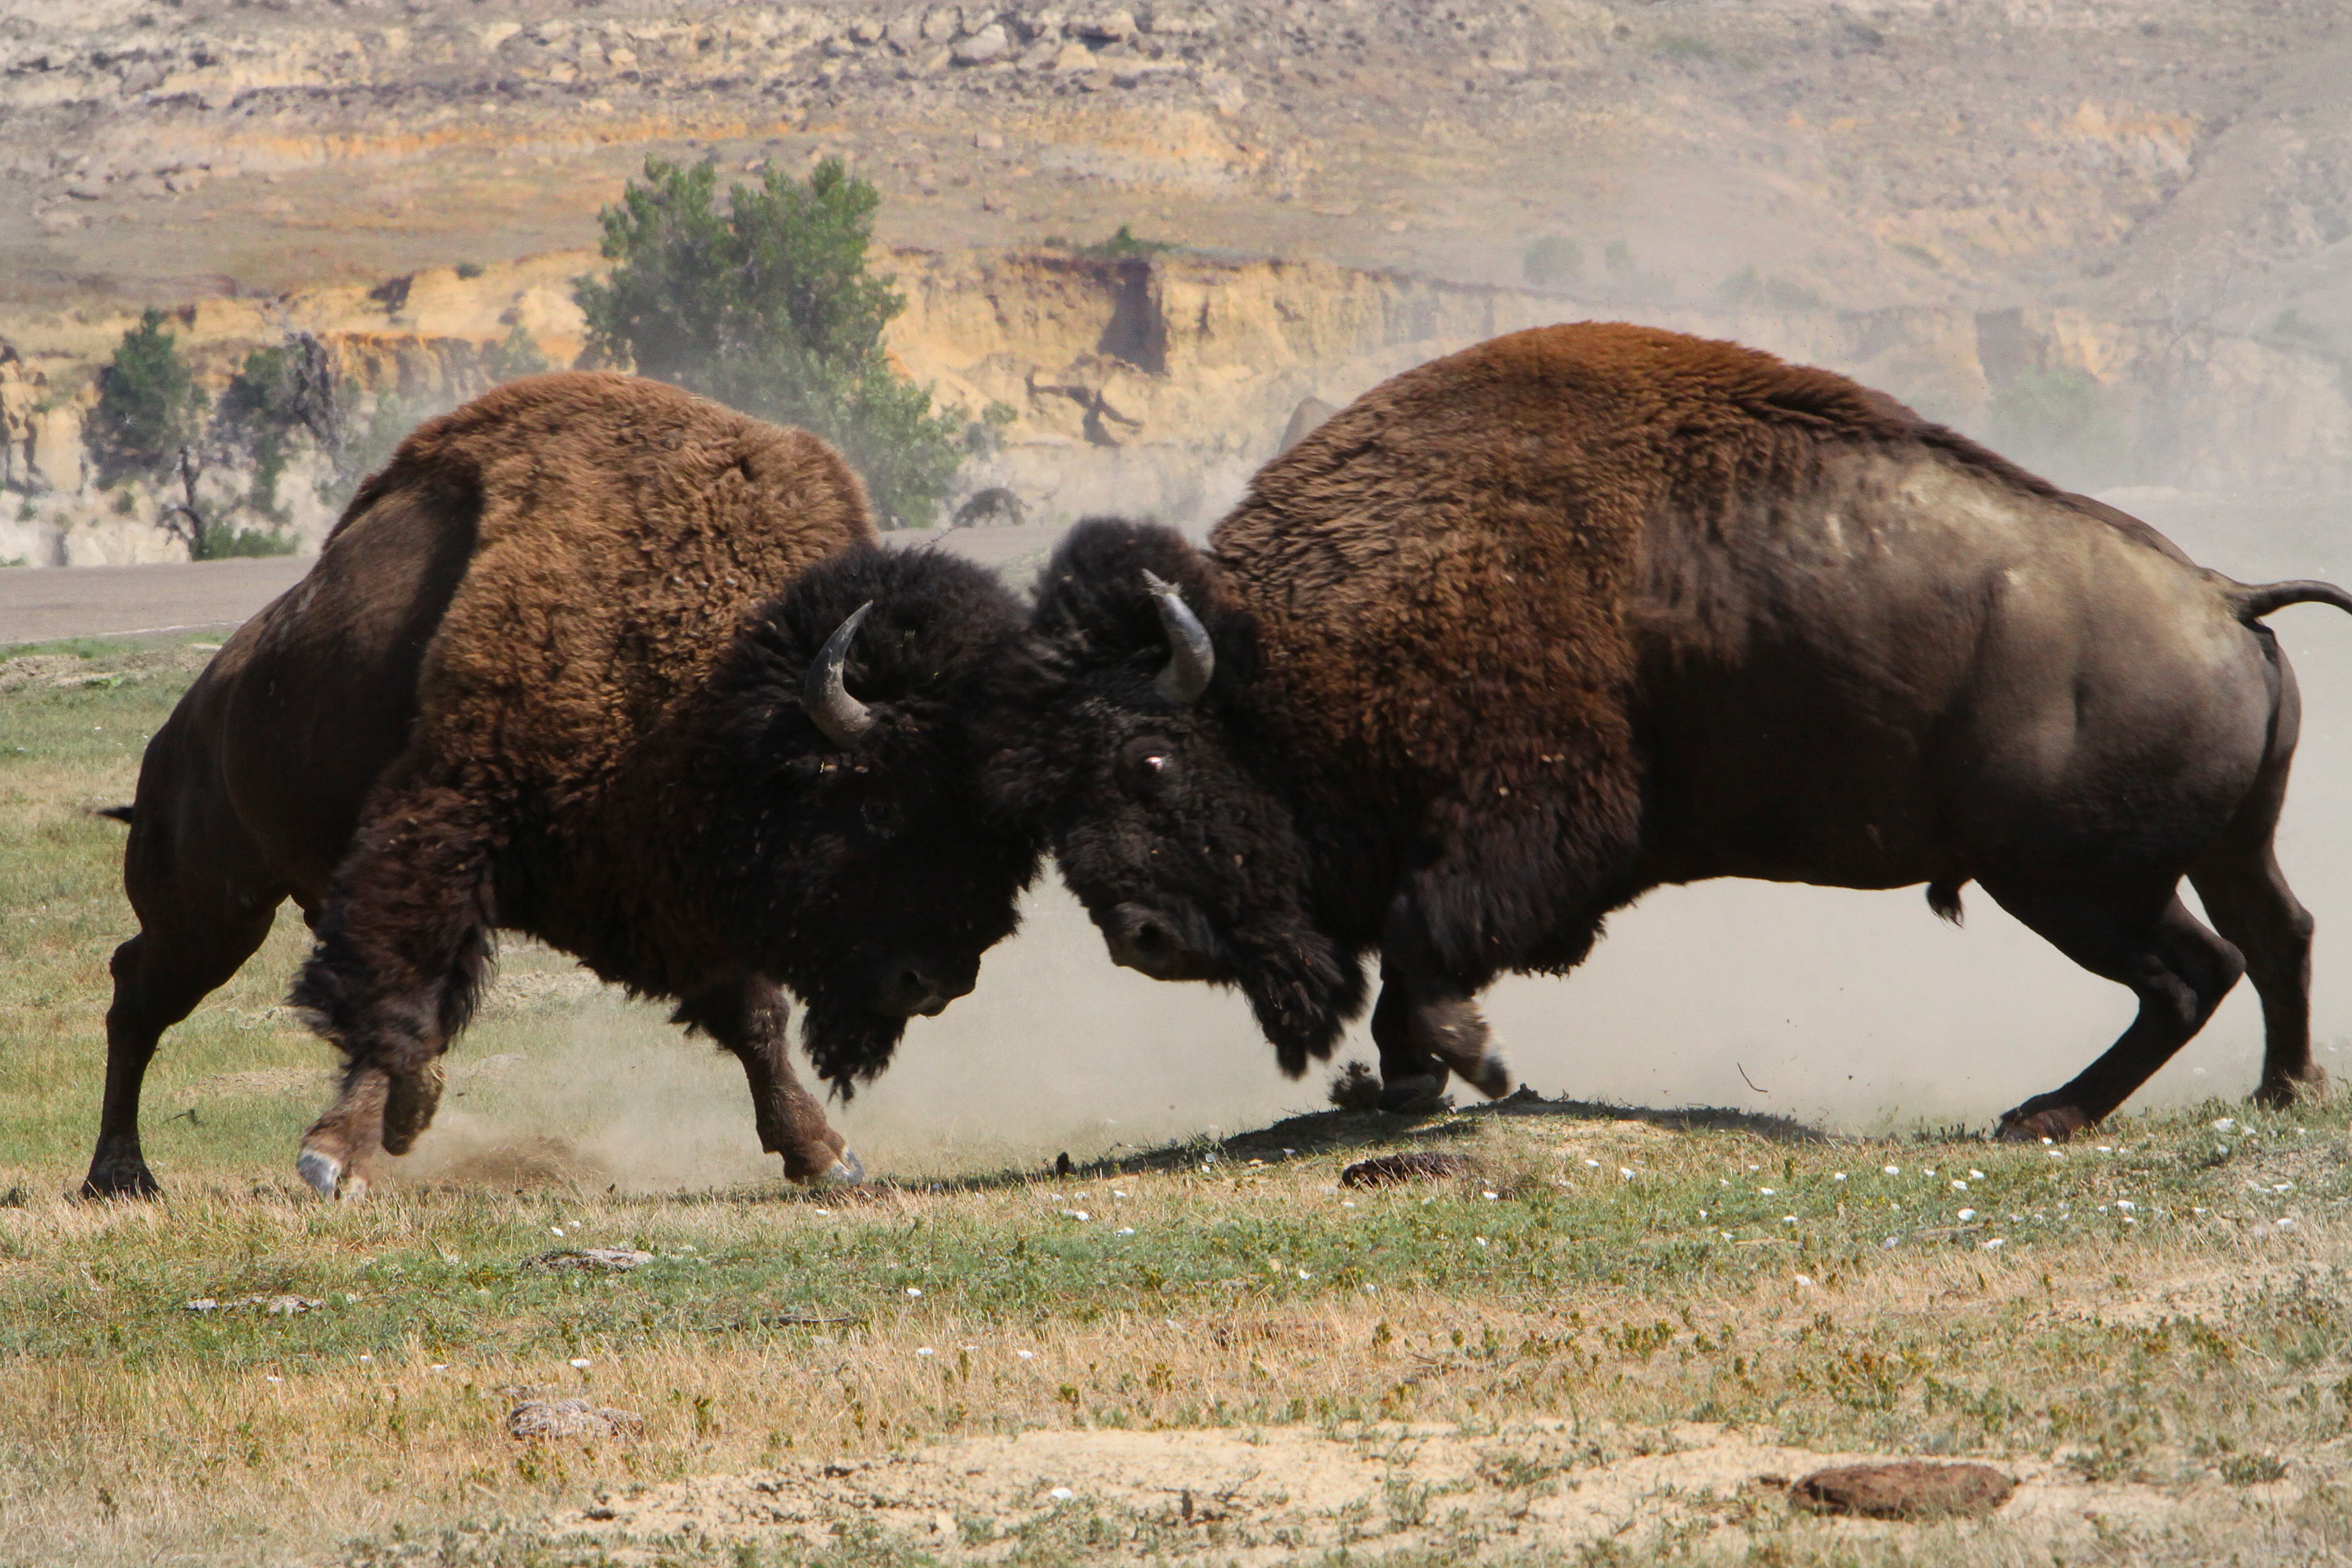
(1587,610)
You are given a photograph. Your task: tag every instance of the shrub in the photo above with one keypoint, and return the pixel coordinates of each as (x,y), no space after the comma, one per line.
(1125,243)
(2059,418)
(1552,261)
(517,356)
(768,306)
(1745,288)
(259,412)
(149,405)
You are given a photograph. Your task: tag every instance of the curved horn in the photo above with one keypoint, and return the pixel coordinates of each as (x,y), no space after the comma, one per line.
(1192,657)
(830,706)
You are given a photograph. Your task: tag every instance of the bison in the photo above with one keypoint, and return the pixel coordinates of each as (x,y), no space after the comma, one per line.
(599,661)
(1530,631)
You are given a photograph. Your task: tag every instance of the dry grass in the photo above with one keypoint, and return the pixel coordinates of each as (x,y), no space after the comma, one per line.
(1594,1347)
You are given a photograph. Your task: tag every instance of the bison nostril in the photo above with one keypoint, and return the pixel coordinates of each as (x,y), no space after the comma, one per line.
(910,986)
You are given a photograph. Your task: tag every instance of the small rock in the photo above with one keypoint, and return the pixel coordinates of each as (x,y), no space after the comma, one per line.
(987,140)
(982,47)
(943,24)
(905,34)
(570,1418)
(1905,1489)
(273,1305)
(1075,58)
(606,1259)
(1419,1165)
(867,32)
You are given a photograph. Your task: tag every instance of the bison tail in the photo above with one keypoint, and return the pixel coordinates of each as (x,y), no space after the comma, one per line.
(1944,898)
(2259,599)
(118,813)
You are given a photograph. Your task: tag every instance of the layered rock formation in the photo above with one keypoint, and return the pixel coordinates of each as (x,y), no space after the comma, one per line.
(2115,235)
(1156,385)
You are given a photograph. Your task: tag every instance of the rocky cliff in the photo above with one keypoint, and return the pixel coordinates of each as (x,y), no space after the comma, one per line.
(1157,384)
(2112,235)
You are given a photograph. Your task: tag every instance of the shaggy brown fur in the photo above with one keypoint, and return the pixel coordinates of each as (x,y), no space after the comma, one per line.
(543,677)
(1530,629)
(1435,554)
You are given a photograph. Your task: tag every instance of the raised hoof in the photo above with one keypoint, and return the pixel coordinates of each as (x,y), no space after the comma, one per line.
(324,1173)
(2050,1123)
(2285,1093)
(1453,1031)
(409,1101)
(1417,1096)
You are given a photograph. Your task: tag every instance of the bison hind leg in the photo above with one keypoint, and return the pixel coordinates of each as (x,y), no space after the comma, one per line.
(2140,937)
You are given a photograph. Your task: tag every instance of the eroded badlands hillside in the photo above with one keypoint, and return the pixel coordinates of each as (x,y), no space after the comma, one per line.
(1957,202)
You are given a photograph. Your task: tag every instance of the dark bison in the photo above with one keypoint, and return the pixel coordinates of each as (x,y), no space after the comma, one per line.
(580,663)
(1532,629)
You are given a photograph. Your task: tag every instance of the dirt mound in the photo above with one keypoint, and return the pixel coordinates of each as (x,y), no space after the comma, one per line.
(1905,1489)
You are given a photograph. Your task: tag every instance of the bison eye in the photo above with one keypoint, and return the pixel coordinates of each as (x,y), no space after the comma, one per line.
(1147,764)
(882,817)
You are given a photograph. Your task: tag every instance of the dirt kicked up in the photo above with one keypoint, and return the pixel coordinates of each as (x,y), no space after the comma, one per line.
(1594,1335)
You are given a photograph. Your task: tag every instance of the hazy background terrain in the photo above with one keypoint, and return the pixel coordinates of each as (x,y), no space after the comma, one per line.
(2114,240)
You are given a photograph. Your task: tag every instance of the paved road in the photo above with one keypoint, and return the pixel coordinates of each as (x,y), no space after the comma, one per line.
(44,604)
(38,605)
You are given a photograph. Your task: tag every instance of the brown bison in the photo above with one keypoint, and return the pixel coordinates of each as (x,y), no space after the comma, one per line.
(1530,631)
(580,663)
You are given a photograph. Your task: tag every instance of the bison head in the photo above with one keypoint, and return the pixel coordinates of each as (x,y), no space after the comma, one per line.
(1126,735)
(862,867)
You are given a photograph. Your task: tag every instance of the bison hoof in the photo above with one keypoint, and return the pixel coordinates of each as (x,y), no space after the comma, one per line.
(409,1101)
(138,1182)
(1451,1030)
(846,1171)
(2281,1093)
(1417,1096)
(327,1176)
(2033,1123)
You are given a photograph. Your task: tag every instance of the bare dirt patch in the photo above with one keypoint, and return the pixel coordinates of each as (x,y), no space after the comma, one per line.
(1273,1494)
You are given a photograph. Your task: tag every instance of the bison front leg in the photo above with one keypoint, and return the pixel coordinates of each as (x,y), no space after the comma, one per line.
(338,1153)
(1426,1021)
(747,1017)
(404,943)
(1413,1082)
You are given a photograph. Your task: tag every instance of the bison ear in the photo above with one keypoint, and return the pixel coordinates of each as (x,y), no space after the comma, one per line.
(1192,657)
(843,719)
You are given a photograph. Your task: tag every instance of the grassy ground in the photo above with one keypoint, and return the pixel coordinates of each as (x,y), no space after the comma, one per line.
(1611,1339)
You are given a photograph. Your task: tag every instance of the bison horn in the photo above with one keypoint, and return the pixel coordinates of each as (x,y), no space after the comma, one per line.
(1192,657)
(831,708)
